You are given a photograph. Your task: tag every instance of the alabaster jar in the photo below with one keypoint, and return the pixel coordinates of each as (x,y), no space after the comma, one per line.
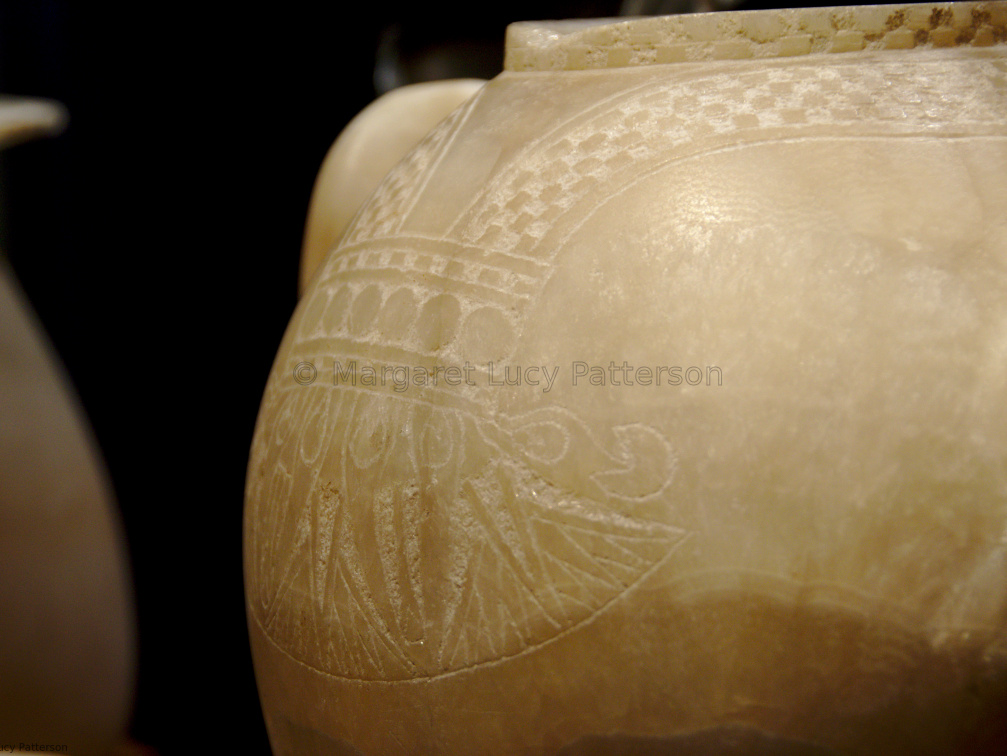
(67,634)
(657,403)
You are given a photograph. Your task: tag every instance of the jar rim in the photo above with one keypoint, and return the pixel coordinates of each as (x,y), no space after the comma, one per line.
(586,44)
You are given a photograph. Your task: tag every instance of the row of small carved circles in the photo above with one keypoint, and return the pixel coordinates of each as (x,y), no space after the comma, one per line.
(426,324)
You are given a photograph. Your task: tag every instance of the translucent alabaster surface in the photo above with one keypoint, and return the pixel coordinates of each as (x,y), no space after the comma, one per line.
(369,147)
(750,489)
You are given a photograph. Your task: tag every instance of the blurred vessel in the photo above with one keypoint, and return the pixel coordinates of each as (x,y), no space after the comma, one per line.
(67,643)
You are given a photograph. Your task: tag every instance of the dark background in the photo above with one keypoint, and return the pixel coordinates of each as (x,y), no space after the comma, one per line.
(158,239)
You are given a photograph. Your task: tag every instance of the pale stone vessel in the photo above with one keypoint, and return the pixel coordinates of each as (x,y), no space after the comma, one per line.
(656,404)
(67,637)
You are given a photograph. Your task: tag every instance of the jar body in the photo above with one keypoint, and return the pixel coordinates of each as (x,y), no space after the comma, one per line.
(652,405)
